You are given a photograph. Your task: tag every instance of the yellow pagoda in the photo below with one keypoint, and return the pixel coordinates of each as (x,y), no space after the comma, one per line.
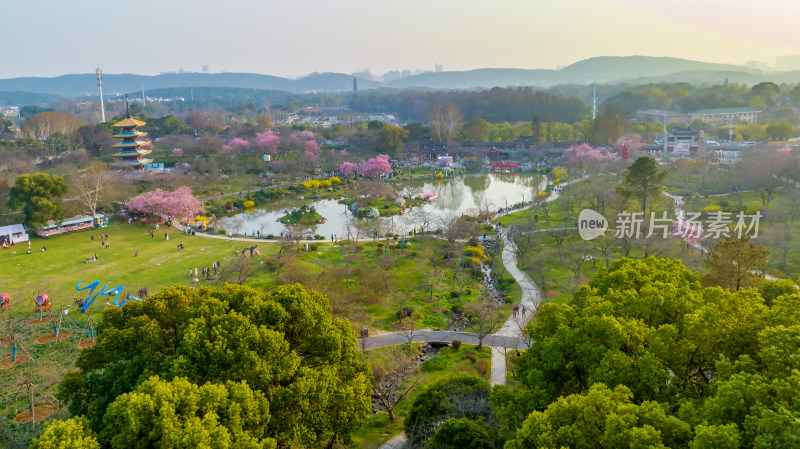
(131,151)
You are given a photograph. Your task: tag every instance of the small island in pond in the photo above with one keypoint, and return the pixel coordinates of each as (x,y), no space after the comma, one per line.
(381,206)
(303,215)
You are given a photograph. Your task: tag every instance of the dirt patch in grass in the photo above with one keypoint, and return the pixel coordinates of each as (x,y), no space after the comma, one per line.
(51,337)
(6,363)
(553,293)
(85,343)
(400,326)
(44,320)
(40,412)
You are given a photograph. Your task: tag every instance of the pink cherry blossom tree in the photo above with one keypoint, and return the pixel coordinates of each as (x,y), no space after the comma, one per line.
(268,141)
(376,166)
(177,152)
(235,144)
(347,168)
(181,203)
(147,202)
(312,150)
(178,203)
(632,141)
(784,150)
(305,135)
(583,156)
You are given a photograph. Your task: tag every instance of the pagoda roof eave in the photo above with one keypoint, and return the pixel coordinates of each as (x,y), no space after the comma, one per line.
(133,153)
(128,122)
(134,162)
(130,134)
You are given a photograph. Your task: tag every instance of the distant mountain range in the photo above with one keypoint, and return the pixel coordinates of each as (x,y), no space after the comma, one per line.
(599,70)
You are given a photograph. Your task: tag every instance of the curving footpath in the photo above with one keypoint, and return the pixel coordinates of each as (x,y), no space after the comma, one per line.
(510,336)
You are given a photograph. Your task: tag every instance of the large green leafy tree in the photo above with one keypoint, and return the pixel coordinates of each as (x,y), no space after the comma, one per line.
(735,263)
(39,197)
(72,433)
(601,418)
(284,344)
(464,433)
(391,139)
(181,414)
(643,181)
(458,396)
(724,363)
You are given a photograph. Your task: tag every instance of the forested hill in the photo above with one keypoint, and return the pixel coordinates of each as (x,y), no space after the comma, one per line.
(77,85)
(599,70)
(496,105)
(15,98)
(215,96)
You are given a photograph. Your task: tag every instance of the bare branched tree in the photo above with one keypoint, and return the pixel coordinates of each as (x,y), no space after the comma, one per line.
(238,269)
(92,185)
(484,318)
(389,385)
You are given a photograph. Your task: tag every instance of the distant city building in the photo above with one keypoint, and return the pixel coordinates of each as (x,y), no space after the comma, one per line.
(437,68)
(9,111)
(718,117)
(791,62)
(657,115)
(761,65)
(392,75)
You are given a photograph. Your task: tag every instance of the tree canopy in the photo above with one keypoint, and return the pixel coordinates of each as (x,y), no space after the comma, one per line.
(645,356)
(458,396)
(643,180)
(39,196)
(280,353)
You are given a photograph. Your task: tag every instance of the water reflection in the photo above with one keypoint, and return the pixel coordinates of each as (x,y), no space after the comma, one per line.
(464,194)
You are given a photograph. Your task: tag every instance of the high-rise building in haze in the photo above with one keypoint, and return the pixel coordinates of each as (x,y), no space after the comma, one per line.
(437,67)
(791,62)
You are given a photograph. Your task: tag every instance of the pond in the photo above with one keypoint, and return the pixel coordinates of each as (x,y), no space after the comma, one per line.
(456,196)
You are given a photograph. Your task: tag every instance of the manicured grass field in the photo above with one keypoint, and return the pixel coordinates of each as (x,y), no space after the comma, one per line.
(56,271)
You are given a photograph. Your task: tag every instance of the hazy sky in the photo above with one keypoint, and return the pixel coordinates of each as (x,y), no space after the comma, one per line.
(296,37)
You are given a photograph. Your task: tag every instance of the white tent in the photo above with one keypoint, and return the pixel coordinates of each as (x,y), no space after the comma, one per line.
(13,234)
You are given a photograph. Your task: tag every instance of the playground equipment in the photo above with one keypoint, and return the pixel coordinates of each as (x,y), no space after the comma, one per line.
(5,301)
(42,302)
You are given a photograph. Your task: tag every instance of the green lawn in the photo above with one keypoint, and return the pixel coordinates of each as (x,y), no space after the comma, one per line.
(56,271)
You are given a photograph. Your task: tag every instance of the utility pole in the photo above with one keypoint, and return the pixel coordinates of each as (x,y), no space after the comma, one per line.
(144,99)
(99,73)
(665,133)
(594,102)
